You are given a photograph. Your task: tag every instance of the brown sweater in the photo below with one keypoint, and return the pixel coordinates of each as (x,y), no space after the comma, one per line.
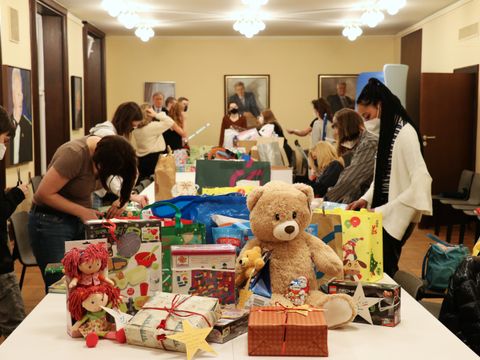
(227,124)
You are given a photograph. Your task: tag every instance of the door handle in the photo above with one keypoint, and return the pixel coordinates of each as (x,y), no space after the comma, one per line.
(427,137)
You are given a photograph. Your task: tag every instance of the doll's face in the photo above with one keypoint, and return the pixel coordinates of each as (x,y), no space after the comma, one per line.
(95,302)
(90,267)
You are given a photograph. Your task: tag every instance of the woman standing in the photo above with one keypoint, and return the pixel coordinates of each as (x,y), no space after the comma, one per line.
(62,203)
(176,136)
(401,189)
(232,119)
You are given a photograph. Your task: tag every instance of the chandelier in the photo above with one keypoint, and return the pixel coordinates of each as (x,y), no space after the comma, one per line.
(249,23)
(144,32)
(352,32)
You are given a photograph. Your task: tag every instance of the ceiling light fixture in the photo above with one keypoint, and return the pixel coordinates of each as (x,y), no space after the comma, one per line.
(249,23)
(144,32)
(255,3)
(128,18)
(372,17)
(352,32)
(392,6)
(113,7)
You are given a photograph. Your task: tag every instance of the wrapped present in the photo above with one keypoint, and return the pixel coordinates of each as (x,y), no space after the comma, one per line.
(282,331)
(132,211)
(204,270)
(233,323)
(163,314)
(377,304)
(54,268)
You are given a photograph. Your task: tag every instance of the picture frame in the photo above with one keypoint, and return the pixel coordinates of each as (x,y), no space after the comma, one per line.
(76,95)
(17,101)
(165,87)
(327,89)
(256,85)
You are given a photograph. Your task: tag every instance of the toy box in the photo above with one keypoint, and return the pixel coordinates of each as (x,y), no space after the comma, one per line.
(384,300)
(115,230)
(233,323)
(217,256)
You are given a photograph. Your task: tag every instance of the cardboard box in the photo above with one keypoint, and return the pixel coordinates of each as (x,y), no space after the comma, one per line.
(233,323)
(386,312)
(145,329)
(277,331)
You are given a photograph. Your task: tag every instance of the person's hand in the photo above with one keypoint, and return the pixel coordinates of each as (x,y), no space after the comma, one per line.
(24,189)
(356,205)
(290,131)
(115,210)
(150,112)
(142,200)
(89,214)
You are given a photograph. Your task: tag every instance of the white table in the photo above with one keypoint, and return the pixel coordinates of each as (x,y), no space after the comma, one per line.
(419,336)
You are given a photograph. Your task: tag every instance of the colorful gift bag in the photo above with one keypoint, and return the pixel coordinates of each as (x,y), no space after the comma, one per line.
(362,244)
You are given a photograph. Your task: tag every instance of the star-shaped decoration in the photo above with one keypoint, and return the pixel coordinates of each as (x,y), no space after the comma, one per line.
(363,303)
(193,338)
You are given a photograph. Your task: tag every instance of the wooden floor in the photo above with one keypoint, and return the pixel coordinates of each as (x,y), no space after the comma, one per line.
(411,261)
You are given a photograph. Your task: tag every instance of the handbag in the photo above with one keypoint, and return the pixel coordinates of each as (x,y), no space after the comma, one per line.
(440,263)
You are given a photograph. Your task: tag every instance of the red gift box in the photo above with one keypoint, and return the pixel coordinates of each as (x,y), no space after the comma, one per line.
(281,331)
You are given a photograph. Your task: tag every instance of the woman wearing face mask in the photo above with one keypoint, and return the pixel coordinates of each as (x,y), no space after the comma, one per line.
(12,311)
(401,189)
(232,119)
(352,138)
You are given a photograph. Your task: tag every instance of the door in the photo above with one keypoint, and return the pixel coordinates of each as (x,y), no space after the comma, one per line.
(448,126)
(411,55)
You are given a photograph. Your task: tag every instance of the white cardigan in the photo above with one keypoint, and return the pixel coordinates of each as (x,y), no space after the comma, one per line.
(410,193)
(149,139)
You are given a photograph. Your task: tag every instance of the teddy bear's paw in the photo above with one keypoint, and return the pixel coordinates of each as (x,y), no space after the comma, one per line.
(338,311)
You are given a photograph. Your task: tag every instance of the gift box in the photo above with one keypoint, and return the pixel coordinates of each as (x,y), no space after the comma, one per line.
(204,270)
(163,314)
(233,323)
(281,331)
(377,304)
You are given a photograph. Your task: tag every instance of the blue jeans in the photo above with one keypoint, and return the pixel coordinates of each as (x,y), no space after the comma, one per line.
(48,233)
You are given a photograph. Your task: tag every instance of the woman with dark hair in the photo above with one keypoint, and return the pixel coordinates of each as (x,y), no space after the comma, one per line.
(12,311)
(321,125)
(401,189)
(62,203)
(357,147)
(233,119)
(176,136)
(269,118)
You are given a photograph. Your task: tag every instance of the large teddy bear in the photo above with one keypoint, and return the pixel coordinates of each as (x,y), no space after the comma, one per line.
(279,215)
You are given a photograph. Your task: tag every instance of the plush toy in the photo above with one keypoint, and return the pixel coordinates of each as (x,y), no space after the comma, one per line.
(279,215)
(86,267)
(85,306)
(249,262)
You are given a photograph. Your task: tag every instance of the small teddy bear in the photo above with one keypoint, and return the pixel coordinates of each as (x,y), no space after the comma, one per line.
(250,261)
(279,215)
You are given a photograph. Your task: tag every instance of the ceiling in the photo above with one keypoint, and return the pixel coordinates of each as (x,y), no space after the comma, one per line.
(284,17)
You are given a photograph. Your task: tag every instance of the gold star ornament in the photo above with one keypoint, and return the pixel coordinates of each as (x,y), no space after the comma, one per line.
(193,338)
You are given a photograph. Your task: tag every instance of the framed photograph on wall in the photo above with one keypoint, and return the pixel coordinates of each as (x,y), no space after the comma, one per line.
(338,90)
(77,102)
(250,92)
(17,93)
(167,88)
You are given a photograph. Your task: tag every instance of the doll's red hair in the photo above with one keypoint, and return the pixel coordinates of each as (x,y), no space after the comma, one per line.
(78,295)
(75,257)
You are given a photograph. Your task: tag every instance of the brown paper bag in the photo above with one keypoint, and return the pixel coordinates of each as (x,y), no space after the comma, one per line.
(165,172)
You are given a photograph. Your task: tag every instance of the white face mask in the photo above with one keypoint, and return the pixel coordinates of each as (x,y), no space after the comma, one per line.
(3,149)
(373,125)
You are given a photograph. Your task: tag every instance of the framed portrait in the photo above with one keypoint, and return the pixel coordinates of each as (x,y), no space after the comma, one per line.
(250,92)
(77,102)
(17,92)
(167,88)
(338,90)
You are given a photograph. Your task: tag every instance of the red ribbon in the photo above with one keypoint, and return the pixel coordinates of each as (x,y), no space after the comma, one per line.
(173,310)
(111,228)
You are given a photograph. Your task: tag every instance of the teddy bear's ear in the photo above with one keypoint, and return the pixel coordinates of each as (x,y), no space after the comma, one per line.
(253,197)
(307,190)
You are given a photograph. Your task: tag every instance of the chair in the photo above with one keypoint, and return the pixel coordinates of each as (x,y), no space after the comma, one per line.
(35,181)
(464,183)
(474,195)
(22,249)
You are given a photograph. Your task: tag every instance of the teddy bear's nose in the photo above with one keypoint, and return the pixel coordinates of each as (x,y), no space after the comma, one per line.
(289,229)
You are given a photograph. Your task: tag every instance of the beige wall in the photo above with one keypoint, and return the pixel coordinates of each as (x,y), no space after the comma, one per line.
(442,51)
(198,65)
(75,60)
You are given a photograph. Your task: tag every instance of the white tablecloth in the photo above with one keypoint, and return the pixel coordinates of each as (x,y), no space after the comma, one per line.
(419,336)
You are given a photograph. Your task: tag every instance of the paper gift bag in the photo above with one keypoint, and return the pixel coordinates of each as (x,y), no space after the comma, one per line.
(362,245)
(165,172)
(216,173)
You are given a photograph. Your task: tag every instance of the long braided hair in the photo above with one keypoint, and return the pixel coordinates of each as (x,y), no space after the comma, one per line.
(375,93)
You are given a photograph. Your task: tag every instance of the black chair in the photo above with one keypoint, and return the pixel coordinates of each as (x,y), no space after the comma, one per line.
(22,249)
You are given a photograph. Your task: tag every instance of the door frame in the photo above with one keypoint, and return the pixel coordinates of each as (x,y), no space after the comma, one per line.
(90,29)
(3,169)
(59,10)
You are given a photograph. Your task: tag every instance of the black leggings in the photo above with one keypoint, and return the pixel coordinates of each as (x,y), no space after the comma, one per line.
(392,249)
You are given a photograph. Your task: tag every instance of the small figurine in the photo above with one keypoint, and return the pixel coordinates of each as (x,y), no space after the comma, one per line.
(85,306)
(86,267)
(298,291)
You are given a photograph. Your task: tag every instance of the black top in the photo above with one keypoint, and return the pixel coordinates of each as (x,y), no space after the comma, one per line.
(8,203)
(172,139)
(288,150)
(327,179)
(313,122)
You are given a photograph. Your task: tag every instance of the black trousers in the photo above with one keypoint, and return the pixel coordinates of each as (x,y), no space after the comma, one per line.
(146,165)
(392,249)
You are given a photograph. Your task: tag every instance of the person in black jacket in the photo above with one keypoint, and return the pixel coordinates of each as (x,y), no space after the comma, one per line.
(12,310)
(460,311)
(325,167)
